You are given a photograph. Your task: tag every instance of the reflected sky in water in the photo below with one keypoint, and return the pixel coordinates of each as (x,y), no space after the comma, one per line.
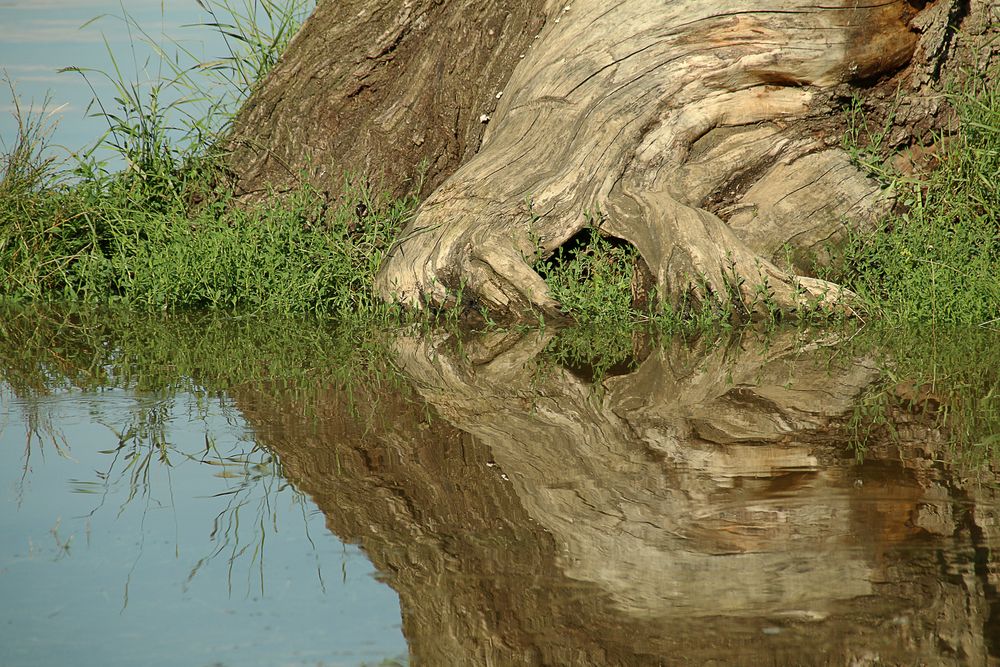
(212,559)
(699,504)
(704,504)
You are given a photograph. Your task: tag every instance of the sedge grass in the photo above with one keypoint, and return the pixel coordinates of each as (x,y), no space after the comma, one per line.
(163,232)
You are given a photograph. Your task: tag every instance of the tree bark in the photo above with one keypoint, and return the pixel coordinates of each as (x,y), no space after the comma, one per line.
(706,134)
(390,90)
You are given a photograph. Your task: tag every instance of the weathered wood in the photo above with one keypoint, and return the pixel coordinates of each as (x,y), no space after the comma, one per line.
(604,114)
(707,134)
(526,519)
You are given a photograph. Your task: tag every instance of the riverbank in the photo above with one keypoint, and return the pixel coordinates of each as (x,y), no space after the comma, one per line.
(166,233)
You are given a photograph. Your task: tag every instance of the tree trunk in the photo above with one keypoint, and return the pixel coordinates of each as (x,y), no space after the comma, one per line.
(391,90)
(706,134)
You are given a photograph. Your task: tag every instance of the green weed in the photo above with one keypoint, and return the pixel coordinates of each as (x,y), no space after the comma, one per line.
(127,240)
(936,259)
(256,34)
(163,233)
(946,380)
(592,277)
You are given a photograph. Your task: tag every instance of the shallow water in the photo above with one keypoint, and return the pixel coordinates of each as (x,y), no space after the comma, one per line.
(203,491)
(178,545)
(705,503)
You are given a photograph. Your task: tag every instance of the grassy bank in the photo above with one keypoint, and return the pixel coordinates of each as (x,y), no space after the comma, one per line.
(935,259)
(145,240)
(163,232)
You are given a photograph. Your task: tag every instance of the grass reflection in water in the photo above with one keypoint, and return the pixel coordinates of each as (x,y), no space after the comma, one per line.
(451,521)
(131,465)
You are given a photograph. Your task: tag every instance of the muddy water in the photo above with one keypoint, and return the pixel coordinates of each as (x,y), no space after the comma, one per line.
(704,503)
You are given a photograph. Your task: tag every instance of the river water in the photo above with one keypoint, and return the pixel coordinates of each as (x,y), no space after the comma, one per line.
(39,39)
(203,490)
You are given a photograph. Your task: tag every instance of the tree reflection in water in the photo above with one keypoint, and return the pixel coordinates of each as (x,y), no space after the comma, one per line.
(704,506)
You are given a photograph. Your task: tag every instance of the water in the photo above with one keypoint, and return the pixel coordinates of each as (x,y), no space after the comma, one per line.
(203,490)
(704,504)
(38,38)
(158,550)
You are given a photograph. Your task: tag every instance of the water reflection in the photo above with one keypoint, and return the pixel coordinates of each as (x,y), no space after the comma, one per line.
(141,523)
(702,504)
(704,507)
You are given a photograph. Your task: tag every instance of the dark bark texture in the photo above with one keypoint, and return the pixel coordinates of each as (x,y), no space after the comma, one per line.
(392,90)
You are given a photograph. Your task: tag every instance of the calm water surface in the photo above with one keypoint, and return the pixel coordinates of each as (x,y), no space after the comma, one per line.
(138,529)
(200,491)
(40,37)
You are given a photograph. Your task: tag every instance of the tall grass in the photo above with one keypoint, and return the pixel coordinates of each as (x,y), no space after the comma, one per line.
(180,103)
(256,34)
(163,232)
(937,257)
(26,165)
(104,242)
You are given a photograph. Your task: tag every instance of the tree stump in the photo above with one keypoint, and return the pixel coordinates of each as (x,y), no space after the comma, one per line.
(706,134)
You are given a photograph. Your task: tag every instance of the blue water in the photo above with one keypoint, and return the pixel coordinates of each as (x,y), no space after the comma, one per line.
(185,561)
(40,37)
(194,563)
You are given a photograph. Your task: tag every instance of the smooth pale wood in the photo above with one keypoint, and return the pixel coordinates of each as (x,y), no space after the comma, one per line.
(612,113)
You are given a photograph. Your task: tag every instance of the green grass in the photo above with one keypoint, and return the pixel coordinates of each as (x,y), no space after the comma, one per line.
(946,380)
(592,279)
(163,233)
(116,240)
(936,258)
